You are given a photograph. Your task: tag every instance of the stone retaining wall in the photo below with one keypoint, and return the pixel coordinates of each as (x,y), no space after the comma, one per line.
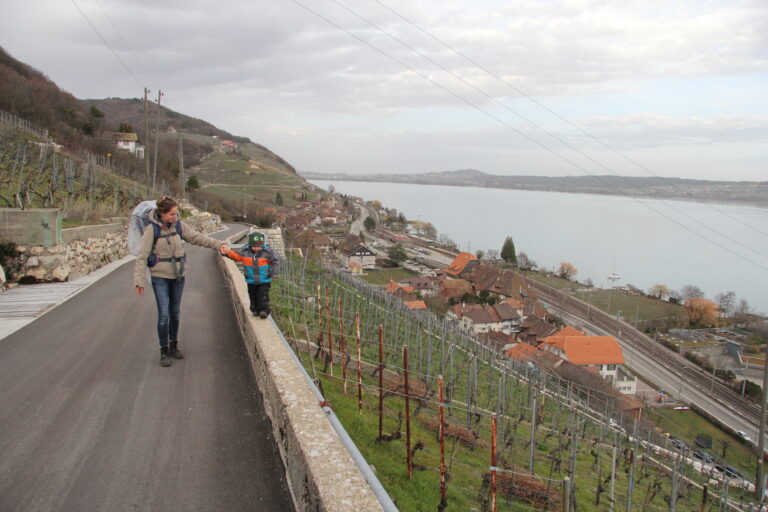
(89,248)
(85,232)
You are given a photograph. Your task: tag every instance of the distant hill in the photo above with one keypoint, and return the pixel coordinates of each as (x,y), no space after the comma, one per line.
(680,188)
(231,178)
(131,112)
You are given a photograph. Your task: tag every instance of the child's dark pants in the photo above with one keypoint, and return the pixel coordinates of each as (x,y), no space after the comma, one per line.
(259,295)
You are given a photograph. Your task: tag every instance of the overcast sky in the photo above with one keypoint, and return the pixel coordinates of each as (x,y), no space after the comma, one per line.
(545,87)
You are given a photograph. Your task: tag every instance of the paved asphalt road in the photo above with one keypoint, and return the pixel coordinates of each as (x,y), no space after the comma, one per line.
(89,421)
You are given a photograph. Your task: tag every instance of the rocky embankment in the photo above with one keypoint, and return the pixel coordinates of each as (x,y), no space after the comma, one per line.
(88,248)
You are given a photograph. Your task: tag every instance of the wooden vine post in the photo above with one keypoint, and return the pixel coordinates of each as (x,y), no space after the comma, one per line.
(408,460)
(359,367)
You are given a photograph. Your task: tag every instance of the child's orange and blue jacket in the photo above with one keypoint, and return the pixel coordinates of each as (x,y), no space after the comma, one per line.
(258,266)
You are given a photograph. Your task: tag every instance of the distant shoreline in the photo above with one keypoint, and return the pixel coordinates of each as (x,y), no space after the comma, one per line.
(708,200)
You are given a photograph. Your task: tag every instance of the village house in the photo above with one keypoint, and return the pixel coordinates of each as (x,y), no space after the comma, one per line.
(501,317)
(329,216)
(523,352)
(533,330)
(454,289)
(416,305)
(425,286)
(463,261)
(597,353)
(301,220)
(128,142)
(497,283)
(309,239)
(354,251)
(401,291)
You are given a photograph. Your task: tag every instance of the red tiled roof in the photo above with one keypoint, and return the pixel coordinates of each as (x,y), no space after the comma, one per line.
(459,262)
(416,304)
(394,286)
(514,303)
(454,288)
(505,311)
(480,314)
(522,352)
(418,283)
(568,331)
(588,350)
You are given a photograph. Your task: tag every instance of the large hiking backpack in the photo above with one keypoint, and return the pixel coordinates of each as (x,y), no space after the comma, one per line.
(137,225)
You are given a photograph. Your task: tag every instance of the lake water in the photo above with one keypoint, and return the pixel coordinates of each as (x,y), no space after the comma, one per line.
(717,247)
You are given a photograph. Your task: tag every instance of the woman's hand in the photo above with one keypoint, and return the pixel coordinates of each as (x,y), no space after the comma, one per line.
(139,290)
(224,249)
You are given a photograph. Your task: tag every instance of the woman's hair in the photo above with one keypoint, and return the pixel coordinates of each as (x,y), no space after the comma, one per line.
(166,204)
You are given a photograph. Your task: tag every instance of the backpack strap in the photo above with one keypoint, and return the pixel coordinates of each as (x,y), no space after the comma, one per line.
(179,270)
(156,230)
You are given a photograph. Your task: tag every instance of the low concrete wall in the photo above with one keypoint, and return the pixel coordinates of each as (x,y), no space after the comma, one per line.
(320,471)
(85,232)
(36,226)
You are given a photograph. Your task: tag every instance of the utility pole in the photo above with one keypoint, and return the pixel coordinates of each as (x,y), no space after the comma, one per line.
(146,136)
(157,137)
(181,165)
(759,479)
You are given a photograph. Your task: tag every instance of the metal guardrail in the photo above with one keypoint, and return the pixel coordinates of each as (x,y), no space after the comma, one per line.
(378,490)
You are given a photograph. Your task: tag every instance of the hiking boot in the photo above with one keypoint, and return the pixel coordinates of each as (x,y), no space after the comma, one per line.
(254,313)
(165,359)
(263,314)
(173,350)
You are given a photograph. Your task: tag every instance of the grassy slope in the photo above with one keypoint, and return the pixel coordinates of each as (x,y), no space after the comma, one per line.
(643,309)
(252,173)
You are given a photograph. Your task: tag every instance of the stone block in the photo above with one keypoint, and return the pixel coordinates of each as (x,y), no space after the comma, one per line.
(61,273)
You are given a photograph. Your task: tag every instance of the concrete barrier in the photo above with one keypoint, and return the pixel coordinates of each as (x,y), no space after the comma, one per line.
(35,226)
(321,473)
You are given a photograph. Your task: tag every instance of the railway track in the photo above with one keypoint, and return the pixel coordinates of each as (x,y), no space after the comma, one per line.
(749,411)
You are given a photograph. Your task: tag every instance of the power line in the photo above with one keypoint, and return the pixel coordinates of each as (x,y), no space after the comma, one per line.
(545,131)
(541,145)
(554,113)
(107,44)
(130,49)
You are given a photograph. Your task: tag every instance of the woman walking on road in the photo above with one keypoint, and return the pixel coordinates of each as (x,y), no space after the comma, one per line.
(162,251)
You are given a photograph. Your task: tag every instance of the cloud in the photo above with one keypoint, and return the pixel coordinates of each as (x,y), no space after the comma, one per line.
(654,130)
(273,69)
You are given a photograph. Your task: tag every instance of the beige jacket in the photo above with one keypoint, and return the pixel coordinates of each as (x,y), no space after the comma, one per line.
(168,247)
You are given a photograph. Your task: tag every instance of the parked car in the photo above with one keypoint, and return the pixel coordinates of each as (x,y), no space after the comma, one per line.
(679,444)
(729,471)
(703,441)
(743,436)
(703,456)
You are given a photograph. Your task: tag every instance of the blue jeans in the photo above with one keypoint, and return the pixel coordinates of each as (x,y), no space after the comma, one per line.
(168,297)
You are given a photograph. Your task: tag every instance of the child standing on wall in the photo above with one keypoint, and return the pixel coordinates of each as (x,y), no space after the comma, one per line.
(260,265)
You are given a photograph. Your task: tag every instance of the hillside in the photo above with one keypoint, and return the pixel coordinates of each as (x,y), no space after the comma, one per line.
(245,176)
(743,191)
(29,94)
(131,111)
